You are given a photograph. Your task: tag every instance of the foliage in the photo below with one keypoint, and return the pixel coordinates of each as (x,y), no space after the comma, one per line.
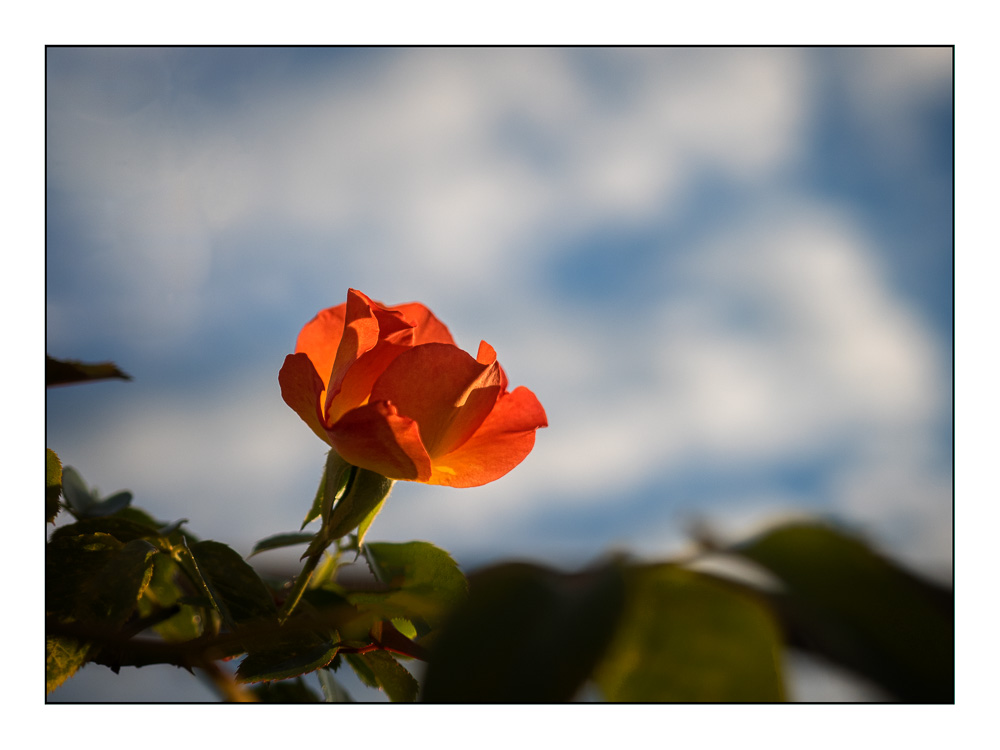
(124,589)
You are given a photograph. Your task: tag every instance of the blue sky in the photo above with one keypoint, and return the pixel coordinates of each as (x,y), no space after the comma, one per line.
(726,273)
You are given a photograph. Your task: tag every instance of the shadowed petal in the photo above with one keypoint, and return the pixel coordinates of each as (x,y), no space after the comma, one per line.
(376,437)
(503,440)
(302,389)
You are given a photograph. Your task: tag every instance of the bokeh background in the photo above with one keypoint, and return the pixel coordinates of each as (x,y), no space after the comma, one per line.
(726,273)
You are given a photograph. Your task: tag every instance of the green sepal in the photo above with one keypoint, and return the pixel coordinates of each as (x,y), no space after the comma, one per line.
(279,541)
(53,485)
(848,604)
(526,635)
(688,637)
(336,474)
(361,501)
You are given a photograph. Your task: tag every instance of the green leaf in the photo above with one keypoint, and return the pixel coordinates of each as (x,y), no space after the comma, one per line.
(121,528)
(362,670)
(165,592)
(425,584)
(78,497)
(171,531)
(281,540)
(849,604)
(53,485)
(64,372)
(110,505)
(96,581)
(71,561)
(63,657)
(333,691)
(111,595)
(690,638)
(286,691)
(389,675)
(405,627)
(233,586)
(292,656)
(526,635)
(86,503)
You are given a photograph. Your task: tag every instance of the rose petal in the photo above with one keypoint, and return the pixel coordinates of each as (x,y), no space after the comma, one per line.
(503,440)
(427,329)
(302,389)
(320,339)
(443,389)
(487,355)
(376,437)
(366,326)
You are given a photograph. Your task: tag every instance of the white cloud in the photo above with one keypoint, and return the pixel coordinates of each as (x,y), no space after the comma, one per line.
(449,176)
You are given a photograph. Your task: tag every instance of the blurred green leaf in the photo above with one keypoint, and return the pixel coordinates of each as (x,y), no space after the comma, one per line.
(526,635)
(285,691)
(388,675)
(64,372)
(233,586)
(362,670)
(78,496)
(281,540)
(424,582)
(852,606)
(171,531)
(291,656)
(53,485)
(333,691)
(686,637)
(121,528)
(63,657)
(85,502)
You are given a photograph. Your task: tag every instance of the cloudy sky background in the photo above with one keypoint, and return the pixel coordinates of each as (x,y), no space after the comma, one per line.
(726,273)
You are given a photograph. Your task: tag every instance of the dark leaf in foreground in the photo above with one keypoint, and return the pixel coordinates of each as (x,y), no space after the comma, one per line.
(848,604)
(65,372)
(526,635)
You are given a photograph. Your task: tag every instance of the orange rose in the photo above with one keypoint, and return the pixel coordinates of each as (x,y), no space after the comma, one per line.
(388,389)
